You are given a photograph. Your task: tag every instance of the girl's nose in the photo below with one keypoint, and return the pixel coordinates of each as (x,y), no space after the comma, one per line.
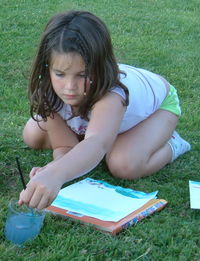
(70,84)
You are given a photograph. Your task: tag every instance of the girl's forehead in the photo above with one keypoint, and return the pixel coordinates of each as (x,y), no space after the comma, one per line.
(65,61)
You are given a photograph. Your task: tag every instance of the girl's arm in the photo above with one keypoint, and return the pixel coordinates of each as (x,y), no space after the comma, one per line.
(102,130)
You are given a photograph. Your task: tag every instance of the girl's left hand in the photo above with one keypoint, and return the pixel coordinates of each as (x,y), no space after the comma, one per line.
(41,190)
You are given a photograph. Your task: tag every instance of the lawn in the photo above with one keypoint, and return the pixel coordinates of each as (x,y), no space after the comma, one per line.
(159,35)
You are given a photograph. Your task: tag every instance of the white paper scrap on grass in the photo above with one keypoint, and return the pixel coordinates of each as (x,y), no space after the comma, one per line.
(98,199)
(194,194)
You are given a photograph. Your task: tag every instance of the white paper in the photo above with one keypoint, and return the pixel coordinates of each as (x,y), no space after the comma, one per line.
(194,194)
(101,200)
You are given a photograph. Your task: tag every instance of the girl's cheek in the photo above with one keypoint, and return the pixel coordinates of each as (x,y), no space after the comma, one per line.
(56,82)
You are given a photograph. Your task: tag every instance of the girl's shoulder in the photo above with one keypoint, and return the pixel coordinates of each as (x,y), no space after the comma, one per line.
(128,70)
(128,74)
(139,78)
(119,91)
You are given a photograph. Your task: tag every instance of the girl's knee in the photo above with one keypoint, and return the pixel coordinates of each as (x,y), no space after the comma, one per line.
(125,169)
(28,137)
(33,136)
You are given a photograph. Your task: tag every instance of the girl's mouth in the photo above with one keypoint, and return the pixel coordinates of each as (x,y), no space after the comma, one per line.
(70,97)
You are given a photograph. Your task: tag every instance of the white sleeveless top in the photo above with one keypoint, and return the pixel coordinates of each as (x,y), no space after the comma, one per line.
(146,93)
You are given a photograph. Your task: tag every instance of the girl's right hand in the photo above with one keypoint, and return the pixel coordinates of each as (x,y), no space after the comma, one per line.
(41,189)
(35,170)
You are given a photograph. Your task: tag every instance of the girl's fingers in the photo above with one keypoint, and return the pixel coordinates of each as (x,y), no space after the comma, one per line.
(27,194)
(33,172)
(44,202)
(20,201)
(40,199)
(36,198)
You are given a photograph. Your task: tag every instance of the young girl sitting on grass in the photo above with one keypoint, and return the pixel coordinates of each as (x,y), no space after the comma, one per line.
(85,106)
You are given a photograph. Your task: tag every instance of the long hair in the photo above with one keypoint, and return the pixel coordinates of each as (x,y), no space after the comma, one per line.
(85,34)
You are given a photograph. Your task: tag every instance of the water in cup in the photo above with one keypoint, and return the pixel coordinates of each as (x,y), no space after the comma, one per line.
(22,224)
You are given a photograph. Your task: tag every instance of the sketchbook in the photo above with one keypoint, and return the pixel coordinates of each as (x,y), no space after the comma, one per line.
(109,208)
(194,187)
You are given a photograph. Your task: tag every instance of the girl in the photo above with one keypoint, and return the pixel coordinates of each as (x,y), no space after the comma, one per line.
(84,107)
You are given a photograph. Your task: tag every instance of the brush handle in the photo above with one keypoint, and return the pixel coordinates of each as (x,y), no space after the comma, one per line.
(20,172)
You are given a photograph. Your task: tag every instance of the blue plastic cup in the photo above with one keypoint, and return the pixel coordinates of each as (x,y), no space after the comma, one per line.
(22,223)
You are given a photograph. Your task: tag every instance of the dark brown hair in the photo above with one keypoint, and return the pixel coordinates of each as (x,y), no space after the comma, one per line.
(86,34)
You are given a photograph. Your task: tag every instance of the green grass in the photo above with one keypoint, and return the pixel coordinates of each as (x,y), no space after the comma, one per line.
(159,35)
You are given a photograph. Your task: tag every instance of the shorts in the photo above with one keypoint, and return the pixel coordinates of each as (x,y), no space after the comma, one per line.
(171,102)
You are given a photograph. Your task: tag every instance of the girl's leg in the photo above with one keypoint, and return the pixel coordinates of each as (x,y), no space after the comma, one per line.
(35,135)
(48,135)
(143,149)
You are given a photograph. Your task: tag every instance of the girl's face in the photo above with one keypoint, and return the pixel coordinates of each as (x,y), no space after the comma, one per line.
(67,72)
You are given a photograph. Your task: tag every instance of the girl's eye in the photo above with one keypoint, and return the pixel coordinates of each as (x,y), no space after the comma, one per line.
(81,75)
(58,74)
